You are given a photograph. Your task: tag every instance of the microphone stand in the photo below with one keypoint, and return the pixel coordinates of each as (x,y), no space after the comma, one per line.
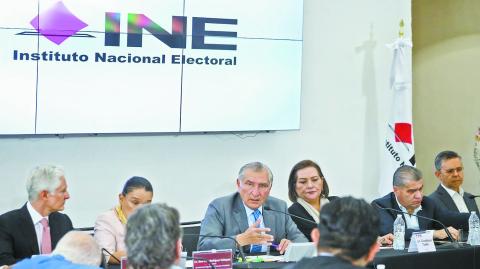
(111,255)
(454,242)
(267,208)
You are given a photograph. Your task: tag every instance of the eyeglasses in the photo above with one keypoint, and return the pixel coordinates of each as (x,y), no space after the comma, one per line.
(453,170)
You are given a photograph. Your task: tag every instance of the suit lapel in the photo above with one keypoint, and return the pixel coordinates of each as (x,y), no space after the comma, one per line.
(423,223)
(269,219)
(25,225)
(239,214)
(54,229)
(471,204)
(446,198)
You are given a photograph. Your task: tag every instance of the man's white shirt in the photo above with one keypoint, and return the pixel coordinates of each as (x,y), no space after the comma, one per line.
(457,199)
(36,218)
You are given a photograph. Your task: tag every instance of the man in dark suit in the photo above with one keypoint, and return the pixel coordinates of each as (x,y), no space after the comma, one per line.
(242,215)
(407,197)
(36,227)
(450,194)
(346,236)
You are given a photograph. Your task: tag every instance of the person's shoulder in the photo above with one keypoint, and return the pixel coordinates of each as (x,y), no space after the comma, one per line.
(55,261)
(225,200)
(437,192)
(109,214)
(384,200)
(12,214)
(295,208)
(276,202)
(59,216)
(108,218)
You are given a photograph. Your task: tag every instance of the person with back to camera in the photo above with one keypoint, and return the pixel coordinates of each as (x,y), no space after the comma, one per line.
(76,250)
(154,238)
(346,236)
(110,226)
(308,190)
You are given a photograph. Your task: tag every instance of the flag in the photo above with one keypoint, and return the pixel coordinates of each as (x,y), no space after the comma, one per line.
(398,149)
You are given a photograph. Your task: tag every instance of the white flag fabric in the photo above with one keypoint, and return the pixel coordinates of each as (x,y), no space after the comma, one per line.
(399,146)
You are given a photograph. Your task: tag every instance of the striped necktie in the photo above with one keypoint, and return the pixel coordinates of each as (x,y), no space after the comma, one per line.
(256,215)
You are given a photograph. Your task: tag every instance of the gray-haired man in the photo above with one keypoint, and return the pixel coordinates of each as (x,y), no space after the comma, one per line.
(153,237)
(76,250)
(37,226)
(242,216)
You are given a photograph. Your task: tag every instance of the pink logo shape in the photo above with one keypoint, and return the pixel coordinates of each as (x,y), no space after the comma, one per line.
(57,23)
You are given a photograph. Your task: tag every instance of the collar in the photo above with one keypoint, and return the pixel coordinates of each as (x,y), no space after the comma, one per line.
(249,211)
(36,217)
(452,192)
(404,209)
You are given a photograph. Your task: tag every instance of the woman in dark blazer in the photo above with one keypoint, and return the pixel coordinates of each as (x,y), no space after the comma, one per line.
(308,190)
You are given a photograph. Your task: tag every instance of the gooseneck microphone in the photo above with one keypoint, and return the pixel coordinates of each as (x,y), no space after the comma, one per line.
(455,243)
(202,259)
(105,262)
(237,245)
(471,196)
(267,208)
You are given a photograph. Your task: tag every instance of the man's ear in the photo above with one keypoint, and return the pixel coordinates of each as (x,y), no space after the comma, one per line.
(43,195)
(315,234)
(373,251)
(437,174)
(178,249)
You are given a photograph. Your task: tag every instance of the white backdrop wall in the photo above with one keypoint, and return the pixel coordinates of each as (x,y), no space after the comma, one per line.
(344,90)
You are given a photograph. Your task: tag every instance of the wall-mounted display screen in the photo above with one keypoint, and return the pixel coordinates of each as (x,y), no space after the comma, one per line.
(111,66)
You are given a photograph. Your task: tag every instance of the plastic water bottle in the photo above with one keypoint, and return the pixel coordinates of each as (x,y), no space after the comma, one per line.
(473,229)
(399,233)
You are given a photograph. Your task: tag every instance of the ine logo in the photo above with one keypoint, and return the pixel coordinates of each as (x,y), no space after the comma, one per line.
(58,24)
(176,39)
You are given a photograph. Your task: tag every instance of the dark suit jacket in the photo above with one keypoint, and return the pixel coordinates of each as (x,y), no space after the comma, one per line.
(442,198)
(304,226)
(429,210)
(323,262)
(226,216)
(18,239)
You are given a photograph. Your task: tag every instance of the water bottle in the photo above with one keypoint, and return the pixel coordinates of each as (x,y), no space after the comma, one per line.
(473,229)
(399,233)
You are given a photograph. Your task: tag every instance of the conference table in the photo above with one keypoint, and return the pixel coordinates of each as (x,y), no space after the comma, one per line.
(446,257)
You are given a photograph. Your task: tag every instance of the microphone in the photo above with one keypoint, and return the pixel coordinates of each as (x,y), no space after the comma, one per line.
(455,243)
(237,245)
(471,196)
(267,208)
(105,262)
(202,259)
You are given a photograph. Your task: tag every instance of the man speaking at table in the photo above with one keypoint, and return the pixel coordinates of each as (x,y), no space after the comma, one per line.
(407,198)
(243,216)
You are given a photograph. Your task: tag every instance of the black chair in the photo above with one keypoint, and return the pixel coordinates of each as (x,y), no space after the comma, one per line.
(88,230)
(191,230)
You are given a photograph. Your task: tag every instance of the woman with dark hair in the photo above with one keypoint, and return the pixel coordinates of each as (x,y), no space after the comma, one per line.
(110,226)
(308,190)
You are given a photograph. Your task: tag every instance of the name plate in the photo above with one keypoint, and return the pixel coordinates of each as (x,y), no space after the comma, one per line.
(422,242)
(221,259)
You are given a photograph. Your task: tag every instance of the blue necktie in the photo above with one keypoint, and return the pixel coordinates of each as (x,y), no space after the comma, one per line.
(256,248)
